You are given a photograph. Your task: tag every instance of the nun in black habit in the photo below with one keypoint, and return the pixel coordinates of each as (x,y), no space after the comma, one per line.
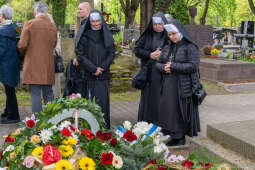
(95,54)
(148,49)
(179,61)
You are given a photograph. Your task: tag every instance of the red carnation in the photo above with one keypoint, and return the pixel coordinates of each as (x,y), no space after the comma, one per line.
(114,141)
(9,139)
(162,167)
(106,158)
(206,166)
(101,138)
(72,128)
(107,136)
(99,133)
(187,164)
(129,136)
(30,123)
(88,133)
(51,155)
(150,162)
(66,132)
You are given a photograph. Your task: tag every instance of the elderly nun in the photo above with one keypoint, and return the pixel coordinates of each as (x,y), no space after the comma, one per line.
(9,65)
(95,54)
(148,49)
(179,61)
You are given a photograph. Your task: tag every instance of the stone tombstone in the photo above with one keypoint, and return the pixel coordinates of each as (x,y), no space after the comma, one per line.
(130,34)
(201,34)
(193,13)
(75,114)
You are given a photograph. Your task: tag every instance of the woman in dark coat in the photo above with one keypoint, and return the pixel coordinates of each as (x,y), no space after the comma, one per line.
(95,54)
(9,65)
(179,61)
(148,49)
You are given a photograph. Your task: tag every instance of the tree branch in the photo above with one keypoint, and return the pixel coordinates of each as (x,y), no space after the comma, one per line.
(252,6)
(124,7)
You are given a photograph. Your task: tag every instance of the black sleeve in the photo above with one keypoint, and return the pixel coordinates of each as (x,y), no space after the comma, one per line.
(140,52)
(83,58)
(163,58)
(193,62)
(110,57)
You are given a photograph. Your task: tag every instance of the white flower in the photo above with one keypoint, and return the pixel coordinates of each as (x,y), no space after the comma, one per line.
(46,135)
(9,148)
(78,95)
(63,125)
(127,125)
(5,168)
(180,158)
(158,149)
(142,128)
(117,162)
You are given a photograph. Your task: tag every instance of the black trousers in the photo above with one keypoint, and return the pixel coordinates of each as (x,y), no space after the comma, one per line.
(11,108)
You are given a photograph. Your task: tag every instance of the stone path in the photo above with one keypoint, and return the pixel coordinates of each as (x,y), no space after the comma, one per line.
(215,109)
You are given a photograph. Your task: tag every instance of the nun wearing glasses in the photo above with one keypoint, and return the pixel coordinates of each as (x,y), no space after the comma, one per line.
(180,59)
(95,54)
(148,49)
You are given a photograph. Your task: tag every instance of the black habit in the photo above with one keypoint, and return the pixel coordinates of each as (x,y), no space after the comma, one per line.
(179,116)
(96,49)
(148,42)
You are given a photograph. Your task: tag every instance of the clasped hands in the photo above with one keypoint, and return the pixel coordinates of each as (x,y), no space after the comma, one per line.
(97,73)
(167,67)
(155,55)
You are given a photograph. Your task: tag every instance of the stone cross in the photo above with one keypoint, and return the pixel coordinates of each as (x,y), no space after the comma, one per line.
(245,37)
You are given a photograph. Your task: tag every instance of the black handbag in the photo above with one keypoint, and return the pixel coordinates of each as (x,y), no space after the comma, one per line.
(140,77)
(198,90)
(59,65)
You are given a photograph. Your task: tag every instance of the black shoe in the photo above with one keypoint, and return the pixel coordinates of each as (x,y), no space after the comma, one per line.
(176,142)
(9,121)
(3,115)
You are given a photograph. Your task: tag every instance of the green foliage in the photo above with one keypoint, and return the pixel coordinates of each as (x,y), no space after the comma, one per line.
(178,9)
(59,11)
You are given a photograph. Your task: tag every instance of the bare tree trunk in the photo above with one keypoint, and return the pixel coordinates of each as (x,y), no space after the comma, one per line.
(147,8)
(129,8)
(252,6)
(203,18)
(163,8)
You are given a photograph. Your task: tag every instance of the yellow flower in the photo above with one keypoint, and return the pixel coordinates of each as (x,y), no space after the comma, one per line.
(12,155)
(87,163)
(63,164)
(69,141)
(38,152)
(66,150)
(35,139)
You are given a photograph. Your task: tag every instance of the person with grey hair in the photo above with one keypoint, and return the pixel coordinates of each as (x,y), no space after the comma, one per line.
(9,65)
(37,43)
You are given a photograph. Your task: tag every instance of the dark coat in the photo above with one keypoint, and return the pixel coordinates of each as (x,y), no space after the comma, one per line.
(9,57)
(185,63)
(150,96)
(92,54)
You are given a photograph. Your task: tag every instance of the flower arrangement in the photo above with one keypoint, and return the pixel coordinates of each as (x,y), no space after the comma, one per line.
(215,51)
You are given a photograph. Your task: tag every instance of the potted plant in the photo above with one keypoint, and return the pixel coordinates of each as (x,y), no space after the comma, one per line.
(214,53)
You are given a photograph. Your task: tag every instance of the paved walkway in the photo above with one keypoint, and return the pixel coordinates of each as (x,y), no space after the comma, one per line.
(215,109)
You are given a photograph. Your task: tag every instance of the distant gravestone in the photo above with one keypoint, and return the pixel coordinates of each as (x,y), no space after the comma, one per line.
(201,34)
(130,34)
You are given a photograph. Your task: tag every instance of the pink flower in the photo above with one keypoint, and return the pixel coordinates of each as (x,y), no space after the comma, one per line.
(29,162)
(73,96)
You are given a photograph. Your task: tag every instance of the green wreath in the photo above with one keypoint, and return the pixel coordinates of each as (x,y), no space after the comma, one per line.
(58,105)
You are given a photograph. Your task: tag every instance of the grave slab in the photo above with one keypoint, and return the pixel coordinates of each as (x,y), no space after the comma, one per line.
(220,70)
(236,136)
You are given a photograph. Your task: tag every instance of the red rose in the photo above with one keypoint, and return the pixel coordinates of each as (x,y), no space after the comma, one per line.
(206,166)
(66,132)
(30,123)
(114,141)
(107,136)
(88,133)
(72,128)
(9,139)
(150,162)
(106,159)
(129,136)
(187,164)
(51,155)
(99,133)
